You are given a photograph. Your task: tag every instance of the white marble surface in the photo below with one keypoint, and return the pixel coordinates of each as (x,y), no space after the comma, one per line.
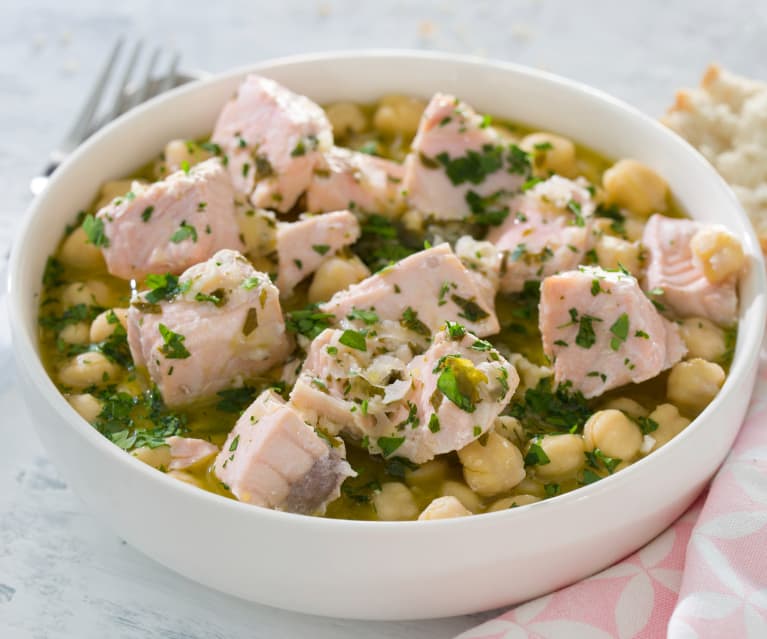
(63,574)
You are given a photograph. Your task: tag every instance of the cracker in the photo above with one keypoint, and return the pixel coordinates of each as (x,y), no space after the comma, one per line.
(726,120)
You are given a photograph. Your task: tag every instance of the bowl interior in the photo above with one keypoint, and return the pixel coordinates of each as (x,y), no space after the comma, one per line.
(538,99)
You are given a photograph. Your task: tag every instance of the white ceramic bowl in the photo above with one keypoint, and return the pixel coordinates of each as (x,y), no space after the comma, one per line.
(371,569)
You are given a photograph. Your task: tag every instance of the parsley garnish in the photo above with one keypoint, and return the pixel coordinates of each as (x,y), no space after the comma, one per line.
(620,330)
(410,321)
(185,232)
(454,330)
(470,309)
(543,409)
(389,444)
(309,321)
(369,317)
(147,213)
(353,339)
(163,287)
(173,346)
(473,167)
(536,456)
(647,425)
(586,336)
(94,231)
(434,423)
(321,249)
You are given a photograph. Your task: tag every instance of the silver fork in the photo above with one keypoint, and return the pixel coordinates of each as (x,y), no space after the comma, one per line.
(127,95)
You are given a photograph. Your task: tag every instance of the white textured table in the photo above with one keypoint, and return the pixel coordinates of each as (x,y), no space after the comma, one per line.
(63,574)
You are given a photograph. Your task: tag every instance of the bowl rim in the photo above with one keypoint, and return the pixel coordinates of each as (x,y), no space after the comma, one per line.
(28,356)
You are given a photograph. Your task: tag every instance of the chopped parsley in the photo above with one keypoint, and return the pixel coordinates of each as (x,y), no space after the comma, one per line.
(459,380)
(482,213)
(543,409)
(470,309)
(353,339)
(473,167)
(163,287)
(147,213)
(369,317)
(185,231)
(320,249)
(217,297)
(575,208)
(434,426)
(173,344)
(410,321)
(309,321)
(586,336)
(620,331)
(389,444)
(647,425)
(536,456)
(454,330)
(94,231)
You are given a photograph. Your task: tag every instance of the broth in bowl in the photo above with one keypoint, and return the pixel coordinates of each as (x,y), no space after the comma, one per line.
(388,311)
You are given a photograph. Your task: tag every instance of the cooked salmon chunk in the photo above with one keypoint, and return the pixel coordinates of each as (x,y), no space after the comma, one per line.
(369,386)
(358,181)
(274,460)
(304,245)
(273,139)
(459,165)
(170,225)
(187,452)
(677,277)
(601,331)
(220,322)
(427,288)
(547,231)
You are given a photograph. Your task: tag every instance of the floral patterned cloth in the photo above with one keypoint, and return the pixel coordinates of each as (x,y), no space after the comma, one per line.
(703,578)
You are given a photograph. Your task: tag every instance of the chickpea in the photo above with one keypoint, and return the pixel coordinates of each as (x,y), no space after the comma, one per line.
(335,275)
(530,486)
(637,187)
(112,189)
(259,230)
(443,508)
(613,252)
(398,114)
(512,502)
(703,338)
(551,153)
(158,457)
(670,424)
(78,252)
(628,406)
(394,502)
(87,405)
(694,383)
(412,220)
(91,293)
(88,369)
(101,328)
(75,333)
(510,428)
(613,433)
(565,453)
(178,151)
(492,468)
(463,493)
(433,471)
(346,118)
(719,251)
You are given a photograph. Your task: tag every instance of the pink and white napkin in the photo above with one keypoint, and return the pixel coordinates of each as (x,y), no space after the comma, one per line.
(703,578)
